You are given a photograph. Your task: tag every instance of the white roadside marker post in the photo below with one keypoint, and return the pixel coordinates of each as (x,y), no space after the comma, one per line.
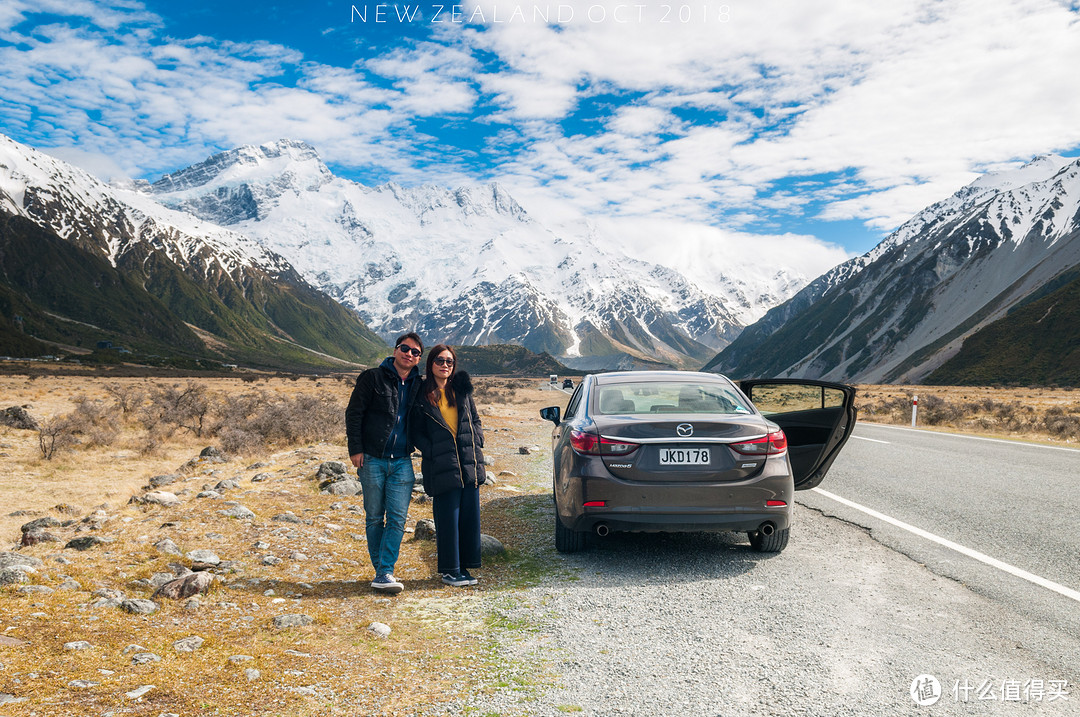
(914,409)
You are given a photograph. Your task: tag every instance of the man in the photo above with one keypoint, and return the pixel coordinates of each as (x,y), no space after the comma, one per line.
(379,448)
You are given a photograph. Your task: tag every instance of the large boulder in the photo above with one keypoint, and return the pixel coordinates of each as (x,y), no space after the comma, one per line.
(186,586)
(17,417)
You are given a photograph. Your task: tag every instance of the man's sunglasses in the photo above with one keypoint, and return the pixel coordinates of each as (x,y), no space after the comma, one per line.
(409,350)
(444,361)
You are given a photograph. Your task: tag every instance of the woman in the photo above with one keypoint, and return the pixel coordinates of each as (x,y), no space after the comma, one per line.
(445,427)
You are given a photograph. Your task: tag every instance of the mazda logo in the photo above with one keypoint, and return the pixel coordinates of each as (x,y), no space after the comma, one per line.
(684,429)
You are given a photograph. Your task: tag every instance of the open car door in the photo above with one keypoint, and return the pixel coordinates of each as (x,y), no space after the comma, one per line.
(817,418)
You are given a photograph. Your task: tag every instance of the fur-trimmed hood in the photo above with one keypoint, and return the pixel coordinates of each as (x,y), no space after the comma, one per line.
(462,383)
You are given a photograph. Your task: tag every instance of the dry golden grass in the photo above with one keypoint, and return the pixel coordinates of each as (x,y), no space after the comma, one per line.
(442,645)
(440,648)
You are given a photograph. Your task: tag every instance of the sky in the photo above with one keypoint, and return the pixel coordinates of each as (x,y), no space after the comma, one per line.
(801,130)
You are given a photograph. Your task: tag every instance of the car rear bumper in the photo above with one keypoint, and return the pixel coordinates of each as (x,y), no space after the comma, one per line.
(679,522)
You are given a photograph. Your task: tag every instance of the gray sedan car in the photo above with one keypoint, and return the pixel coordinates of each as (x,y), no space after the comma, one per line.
(676,451)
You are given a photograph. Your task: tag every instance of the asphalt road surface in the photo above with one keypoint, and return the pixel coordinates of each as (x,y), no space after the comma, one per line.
(921,556)
(1010,506)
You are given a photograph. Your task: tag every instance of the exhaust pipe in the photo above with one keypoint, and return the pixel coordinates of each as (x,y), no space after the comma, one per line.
(766,529)
(602,530)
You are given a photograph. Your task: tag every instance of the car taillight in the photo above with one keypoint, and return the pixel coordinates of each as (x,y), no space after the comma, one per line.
(591,444)
(770,445)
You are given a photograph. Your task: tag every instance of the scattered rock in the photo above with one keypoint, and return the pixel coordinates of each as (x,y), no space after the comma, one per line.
(208,494)
(211,452)
(297,556)
(134,648)
(328,469)
(188,644)
(508,474)
(524,450)
(35,590)
(286,621)
(287,518)
(138,606)
(208,557)
(66,509)
(271,560)
(490,545)
(164,479)
(10,560)
(346,487)
(34,537)
(425,529)
(237,659)
(82,684)
(138,692)
(8,641)
(107,593)
(84,543)
(238,511)
(380,629)
(259,477)
(489,461)
(226,485)
(17,417)
(77,645)
(490,479)
(186,586)
(69,584)
(157,497)
(47,522)
(252,674)
(144,658)
(166,545)
(12,576)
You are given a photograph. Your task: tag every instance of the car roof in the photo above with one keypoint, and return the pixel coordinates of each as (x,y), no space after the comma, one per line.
(604,379)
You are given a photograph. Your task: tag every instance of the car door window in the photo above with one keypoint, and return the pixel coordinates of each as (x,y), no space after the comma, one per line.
(575,401)
(778,398)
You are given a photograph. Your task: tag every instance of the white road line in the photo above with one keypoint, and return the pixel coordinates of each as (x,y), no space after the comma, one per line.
(981,557)
(874,440)
(974,438)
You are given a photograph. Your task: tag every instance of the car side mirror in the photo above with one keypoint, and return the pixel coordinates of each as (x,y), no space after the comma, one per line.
(551,413)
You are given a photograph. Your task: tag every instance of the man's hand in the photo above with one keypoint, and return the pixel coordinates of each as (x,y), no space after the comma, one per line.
(357,460)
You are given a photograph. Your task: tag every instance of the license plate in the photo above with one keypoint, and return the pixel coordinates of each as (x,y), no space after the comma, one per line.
(684,456)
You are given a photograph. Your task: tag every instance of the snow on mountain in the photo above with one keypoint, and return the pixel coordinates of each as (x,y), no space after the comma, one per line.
(903,308)
(466,265)
(74,204)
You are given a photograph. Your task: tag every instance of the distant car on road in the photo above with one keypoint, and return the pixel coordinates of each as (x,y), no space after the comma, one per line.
(568,383)
(673,451)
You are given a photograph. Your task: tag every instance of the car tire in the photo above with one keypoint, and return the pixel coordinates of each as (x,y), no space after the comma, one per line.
(769,543)
(566,540)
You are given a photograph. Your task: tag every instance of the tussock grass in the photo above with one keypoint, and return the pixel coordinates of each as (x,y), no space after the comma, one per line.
(441,647)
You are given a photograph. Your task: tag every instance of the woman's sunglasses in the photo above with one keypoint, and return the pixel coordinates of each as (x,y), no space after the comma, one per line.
(409,350)
(444,361)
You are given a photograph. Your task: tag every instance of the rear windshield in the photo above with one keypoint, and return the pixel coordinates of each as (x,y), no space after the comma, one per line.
(667,397)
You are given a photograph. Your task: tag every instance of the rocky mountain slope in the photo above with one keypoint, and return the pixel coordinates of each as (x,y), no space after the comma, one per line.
(901,310)
(470,265)
(84,262)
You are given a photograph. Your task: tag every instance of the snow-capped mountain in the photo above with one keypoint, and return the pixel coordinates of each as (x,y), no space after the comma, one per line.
(225,286)
(466,265)
(899,311)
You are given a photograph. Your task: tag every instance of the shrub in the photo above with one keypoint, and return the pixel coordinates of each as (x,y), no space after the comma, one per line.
(182,407)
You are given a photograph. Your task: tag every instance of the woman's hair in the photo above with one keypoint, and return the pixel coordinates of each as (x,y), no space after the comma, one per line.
(430,389)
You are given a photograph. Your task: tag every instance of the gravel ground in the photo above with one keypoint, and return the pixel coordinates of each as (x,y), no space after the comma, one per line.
(701,625)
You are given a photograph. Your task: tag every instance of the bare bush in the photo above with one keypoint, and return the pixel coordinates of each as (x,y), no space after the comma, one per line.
(253,421)
(187,407)
(56,435)
(126,397)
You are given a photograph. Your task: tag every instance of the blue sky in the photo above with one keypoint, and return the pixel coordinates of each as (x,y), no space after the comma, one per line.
(813,125)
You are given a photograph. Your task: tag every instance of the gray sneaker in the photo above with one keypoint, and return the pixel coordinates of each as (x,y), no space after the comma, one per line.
(472,581)
(387,584)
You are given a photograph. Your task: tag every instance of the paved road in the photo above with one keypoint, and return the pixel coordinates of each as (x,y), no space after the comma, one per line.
(845,619)
(1012,502)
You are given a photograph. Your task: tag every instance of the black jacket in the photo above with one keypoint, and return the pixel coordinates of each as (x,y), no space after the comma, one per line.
(369,419)
(449,461)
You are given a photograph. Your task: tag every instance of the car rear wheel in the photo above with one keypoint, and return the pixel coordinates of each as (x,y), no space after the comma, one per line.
(566,540)
(769,543)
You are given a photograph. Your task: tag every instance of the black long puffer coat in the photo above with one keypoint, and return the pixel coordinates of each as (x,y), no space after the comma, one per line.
(449,461)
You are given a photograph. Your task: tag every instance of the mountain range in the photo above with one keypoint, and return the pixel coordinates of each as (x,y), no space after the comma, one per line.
(936,286)
(470,265)
(82,263)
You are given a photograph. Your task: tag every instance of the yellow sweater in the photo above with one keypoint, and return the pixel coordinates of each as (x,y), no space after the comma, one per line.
(449,412)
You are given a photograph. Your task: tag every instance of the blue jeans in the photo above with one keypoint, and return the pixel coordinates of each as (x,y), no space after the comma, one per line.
(388,484)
